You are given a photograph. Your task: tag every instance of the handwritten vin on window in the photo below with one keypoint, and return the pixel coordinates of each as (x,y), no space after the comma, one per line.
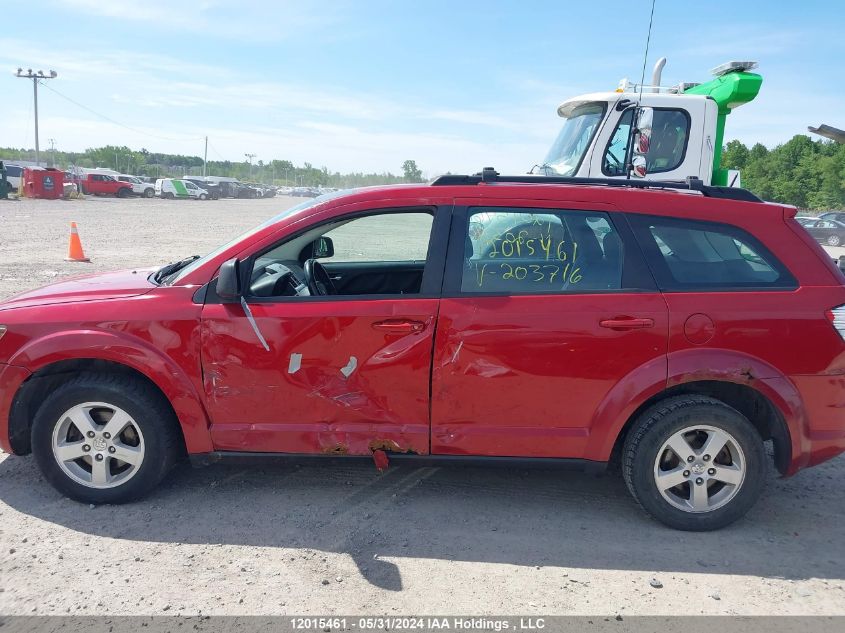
(554,258)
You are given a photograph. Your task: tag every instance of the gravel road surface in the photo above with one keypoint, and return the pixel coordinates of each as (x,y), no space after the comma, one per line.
(282,539)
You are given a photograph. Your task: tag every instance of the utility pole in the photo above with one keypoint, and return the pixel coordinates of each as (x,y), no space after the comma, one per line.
(36,77)
(205,157)
(249,157)
(52,151)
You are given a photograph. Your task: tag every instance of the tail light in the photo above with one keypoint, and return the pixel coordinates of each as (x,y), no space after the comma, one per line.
(836,316)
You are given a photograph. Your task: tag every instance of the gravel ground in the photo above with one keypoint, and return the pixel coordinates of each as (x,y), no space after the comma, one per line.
(344,540)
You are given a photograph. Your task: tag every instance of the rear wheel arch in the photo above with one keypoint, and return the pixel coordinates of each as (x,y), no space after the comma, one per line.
(43,381)
(757,407)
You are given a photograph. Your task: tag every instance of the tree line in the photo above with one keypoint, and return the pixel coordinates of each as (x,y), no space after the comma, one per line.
(807,173)
(803,172)
(157,165)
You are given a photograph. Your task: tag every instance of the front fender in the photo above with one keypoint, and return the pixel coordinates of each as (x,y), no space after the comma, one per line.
(129,350)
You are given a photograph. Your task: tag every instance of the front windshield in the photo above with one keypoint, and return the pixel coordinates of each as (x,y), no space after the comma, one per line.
(202,260)
(571,144)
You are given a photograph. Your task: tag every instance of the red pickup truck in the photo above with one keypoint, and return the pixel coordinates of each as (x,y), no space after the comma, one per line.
(105,185)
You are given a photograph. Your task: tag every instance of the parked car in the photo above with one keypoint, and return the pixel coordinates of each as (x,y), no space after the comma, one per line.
(833,215)
(648,325)
(212,189)
(830,232)
(248,191)
(5,187)
(105,185)
(139,187)
(170,188)
(14,173)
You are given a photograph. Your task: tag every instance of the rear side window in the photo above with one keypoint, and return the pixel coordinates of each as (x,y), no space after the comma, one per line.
(532,251)
(695,255)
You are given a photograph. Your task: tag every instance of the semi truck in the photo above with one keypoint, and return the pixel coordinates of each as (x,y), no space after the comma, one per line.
(652,131)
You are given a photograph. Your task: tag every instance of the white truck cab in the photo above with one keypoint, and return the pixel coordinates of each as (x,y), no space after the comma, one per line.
(656,132)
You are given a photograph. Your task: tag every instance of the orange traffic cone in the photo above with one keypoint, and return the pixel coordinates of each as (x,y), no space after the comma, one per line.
(74,248)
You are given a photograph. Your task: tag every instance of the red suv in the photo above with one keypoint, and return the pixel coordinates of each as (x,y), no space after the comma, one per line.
(674,328)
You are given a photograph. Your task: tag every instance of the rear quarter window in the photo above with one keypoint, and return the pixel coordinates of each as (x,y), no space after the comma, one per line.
(689,255)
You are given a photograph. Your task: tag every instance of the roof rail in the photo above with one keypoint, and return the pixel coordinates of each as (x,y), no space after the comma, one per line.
(490,175)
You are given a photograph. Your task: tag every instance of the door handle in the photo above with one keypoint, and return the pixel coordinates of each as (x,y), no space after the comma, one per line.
(626,323)
(399,326)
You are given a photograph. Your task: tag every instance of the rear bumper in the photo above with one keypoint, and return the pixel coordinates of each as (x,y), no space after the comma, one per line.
(11,378)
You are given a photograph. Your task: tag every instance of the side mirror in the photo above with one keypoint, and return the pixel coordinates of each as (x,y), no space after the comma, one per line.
(642,142)
(323,247)
(229,281)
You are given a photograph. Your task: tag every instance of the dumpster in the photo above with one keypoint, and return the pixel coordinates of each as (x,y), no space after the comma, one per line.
(38,182)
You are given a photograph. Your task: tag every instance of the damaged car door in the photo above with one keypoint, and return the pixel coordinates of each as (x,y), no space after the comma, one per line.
(310,361)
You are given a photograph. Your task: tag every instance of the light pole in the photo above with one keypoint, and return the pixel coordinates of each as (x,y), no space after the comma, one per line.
(52,151)
(36,76)
(249,158)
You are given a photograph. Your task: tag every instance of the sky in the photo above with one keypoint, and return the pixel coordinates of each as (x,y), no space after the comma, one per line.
(362,85)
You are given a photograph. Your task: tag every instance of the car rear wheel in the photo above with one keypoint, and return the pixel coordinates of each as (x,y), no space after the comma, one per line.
(834,240)
(203,196)
(694,463)
(103,438)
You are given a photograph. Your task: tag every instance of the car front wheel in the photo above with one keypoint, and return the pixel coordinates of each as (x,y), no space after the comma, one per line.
(103,438)
(149,193)
(694,463)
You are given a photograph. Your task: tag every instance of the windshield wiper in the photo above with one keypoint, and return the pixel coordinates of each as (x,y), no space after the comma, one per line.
(545,168)
(169,269)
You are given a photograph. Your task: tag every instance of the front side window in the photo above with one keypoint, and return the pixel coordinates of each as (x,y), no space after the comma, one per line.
(568,150)
(531,251)
(696,255)
(379,254)
(668,142)
(382,238)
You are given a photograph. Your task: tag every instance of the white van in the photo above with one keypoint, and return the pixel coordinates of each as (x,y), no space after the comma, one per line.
(175,188)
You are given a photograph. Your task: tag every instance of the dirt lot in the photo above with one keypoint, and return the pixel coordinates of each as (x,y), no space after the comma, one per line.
(345,540)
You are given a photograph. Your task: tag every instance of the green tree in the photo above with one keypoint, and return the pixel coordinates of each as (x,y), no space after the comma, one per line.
(411,171)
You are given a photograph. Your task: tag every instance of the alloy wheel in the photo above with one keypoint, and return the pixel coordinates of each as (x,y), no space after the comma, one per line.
(699,469)
(98,445)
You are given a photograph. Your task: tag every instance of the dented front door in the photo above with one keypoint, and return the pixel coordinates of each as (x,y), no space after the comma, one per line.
(341,376)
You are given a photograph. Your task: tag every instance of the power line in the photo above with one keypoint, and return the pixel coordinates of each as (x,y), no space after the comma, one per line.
(118,123)
(36,77)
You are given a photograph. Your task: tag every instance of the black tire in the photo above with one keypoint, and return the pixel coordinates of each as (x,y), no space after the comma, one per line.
(203,196)
(149,193)
(656,425)
(167,196)
(148,410)
(123,192)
